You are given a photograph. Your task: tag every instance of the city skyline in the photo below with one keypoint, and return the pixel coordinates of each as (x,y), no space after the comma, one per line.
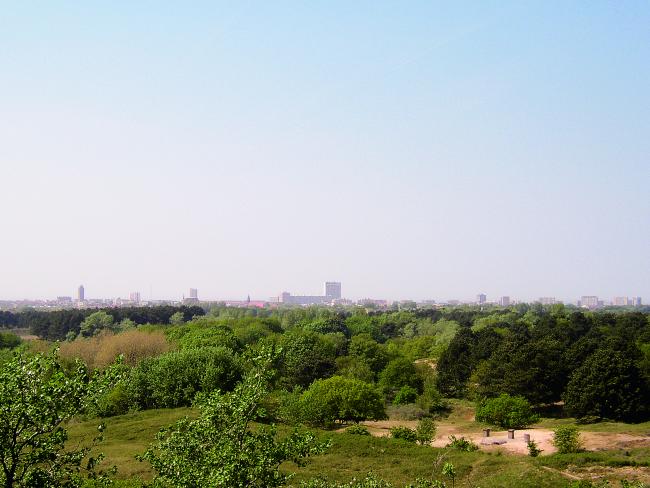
(332,293)
(411,150)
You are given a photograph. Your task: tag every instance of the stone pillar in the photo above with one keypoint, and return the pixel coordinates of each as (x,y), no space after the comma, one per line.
(511,433)
(526,438)
(486,432)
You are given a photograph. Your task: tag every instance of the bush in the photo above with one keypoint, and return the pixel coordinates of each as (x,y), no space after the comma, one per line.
(461,444)
(9,340)
(405,395)
(533,450)
(507,412)
(339,398)
(357,429)
(173,379)
(425,431)
(403,433)
(431,400)
(100,351)
(567,439)
(405,412)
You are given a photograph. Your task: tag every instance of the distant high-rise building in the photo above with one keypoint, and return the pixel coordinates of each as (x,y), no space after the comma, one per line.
(547,300)
(621,301)
(481,298)
(504,301)
(333,290)
(134,296)
(194,293)
(636,301)
(81,293)
(589,301)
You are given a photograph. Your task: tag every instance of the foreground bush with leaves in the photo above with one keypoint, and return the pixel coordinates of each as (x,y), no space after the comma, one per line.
(220,449)
(37,398)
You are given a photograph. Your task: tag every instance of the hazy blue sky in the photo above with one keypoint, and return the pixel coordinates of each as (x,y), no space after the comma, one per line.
(407,149)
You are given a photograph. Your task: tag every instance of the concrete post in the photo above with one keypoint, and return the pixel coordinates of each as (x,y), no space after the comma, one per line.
(486,432)
(526,438)
(511,433)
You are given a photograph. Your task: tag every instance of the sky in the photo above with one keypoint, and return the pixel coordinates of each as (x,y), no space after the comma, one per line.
(422,150)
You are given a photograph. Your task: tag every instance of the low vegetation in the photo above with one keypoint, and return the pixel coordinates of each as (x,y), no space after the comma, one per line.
(197,373)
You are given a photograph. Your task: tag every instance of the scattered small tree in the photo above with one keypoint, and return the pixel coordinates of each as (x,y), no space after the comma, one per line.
(177,318)
(533,450)
(425,431)
(506,411)
(449,471)
(567,439)
(95,323)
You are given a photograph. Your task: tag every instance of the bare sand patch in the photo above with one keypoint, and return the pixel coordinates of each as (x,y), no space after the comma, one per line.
(593,441)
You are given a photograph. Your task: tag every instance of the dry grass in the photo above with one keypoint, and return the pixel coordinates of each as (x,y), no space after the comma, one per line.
(100,351)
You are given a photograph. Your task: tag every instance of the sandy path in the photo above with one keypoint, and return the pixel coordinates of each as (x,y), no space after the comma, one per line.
(543,437)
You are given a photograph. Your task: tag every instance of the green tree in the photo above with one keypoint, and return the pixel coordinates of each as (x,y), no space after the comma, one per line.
(37,398)
(364,347)
(339,398)
(354,367)
(398,373)
(220,449)
(506,411)
(306,356)
(566,439)
(177,319)
(425,431)
(608,385)
(95,323)
(455,364)
(534,370)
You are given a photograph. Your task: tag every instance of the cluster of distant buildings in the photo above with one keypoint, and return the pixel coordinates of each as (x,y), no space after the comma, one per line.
(586,301)
(331,296)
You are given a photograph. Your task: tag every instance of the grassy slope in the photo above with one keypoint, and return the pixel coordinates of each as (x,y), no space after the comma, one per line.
(354,456)
(126,436)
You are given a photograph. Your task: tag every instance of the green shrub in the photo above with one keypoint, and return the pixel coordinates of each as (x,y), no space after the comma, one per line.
(431,401)
(173,379)
(506,411)
(9,340)
(426,431)
(461,444)
(403,433)
(405,412)
(357,429)
(339,398)
(405,395)
(533,450)
(567,439)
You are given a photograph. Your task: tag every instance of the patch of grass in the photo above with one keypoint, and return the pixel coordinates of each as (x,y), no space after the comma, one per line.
(607,427)
(614,458)
(125,436)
